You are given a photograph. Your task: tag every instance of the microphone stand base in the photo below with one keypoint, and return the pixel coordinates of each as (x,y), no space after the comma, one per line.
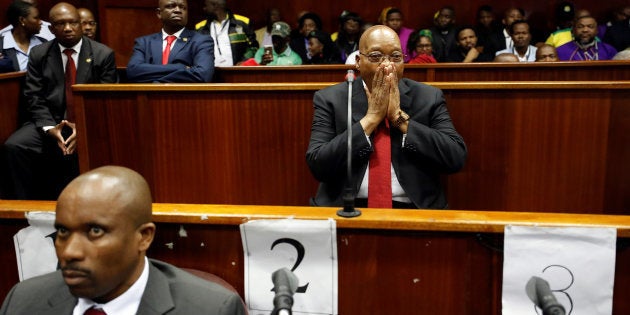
(349,213)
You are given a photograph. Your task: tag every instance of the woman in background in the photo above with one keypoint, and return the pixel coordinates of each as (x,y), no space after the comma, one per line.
(419,47)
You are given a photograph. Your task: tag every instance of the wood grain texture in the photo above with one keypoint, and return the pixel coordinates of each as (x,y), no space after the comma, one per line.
(402,261)
(533,146)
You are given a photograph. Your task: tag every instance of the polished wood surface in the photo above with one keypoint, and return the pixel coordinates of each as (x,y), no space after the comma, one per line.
(533,146)
(426,259)
(10,85)
(439,72)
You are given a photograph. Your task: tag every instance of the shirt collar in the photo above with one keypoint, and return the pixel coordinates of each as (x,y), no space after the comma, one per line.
(77,47)
(126,303)
(177,34)
(286,52)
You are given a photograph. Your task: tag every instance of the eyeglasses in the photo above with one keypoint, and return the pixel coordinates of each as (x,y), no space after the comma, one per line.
(424,46)
(61,25)
(91,23)
(378,57)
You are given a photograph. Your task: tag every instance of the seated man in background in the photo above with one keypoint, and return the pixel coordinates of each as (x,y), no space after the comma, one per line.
(585,46)
(403,138)
(263,34)
(521,37)
(176,54)
(234,41)
(41,155)
(467,50)
(546,53)
(103,230)
(280,54)
(88,23)
(506,57)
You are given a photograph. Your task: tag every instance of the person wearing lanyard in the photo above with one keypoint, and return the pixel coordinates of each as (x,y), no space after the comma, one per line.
(234,40)
(519,31)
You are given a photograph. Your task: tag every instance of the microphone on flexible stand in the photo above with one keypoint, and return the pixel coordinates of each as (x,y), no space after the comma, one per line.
(285,283)
(539,292)
(348,210)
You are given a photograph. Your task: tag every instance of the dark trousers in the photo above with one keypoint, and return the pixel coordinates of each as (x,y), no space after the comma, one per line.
(35,166)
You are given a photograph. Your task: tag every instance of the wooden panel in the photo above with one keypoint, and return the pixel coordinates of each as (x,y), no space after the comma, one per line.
(389,261)
(10,85)
(217,147)
(533,146)
(441,72)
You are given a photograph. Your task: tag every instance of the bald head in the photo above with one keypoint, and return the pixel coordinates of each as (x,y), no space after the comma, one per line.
(126,191)
(506,57)
(375,34)
(65,24)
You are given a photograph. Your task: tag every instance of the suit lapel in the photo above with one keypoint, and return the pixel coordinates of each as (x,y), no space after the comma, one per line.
(156,48)
(359,100)
(180,43)
(405,99)
(157,298)
(62,301)
(55,62)
(86,57)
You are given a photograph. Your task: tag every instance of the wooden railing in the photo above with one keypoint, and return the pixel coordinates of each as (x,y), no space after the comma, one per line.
(533,146)
(454,255)
(440,72)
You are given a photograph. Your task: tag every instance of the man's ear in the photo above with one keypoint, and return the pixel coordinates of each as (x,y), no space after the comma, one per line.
(147,232)
(157,13)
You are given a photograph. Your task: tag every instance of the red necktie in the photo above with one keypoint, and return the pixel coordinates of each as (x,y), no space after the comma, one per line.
(71,76)
(380,178)
(94,311)
(167,50)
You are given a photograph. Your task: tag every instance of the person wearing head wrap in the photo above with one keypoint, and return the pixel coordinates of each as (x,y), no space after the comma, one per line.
(420,48)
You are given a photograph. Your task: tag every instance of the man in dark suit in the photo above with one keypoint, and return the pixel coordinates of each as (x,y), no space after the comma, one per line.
(176,54)
(423,142)
(501,39)
(103,230)
(41,153)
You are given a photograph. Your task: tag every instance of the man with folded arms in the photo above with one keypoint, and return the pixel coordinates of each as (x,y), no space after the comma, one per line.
(175,54)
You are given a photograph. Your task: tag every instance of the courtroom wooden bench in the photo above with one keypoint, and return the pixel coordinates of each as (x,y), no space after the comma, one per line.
(449,251)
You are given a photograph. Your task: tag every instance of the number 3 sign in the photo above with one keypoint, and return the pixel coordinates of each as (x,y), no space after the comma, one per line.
(306,247)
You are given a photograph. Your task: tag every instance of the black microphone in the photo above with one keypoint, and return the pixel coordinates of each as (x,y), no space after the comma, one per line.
(348,210)
(285,283)
(539,292)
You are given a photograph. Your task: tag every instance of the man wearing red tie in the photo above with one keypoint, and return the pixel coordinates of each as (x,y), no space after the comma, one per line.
(175,54)
(403,137)
(40,155)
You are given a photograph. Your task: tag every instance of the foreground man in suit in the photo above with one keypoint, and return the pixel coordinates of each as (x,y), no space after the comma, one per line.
(41,153)
(423,143)
(175,54)
(104,228)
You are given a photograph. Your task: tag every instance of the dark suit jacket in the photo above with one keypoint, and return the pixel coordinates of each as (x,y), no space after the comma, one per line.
(191,59)
(9,61)
(432,145)
(45,90)
(169,290)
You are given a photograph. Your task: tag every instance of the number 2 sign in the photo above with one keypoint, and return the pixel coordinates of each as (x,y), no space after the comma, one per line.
(307,248)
